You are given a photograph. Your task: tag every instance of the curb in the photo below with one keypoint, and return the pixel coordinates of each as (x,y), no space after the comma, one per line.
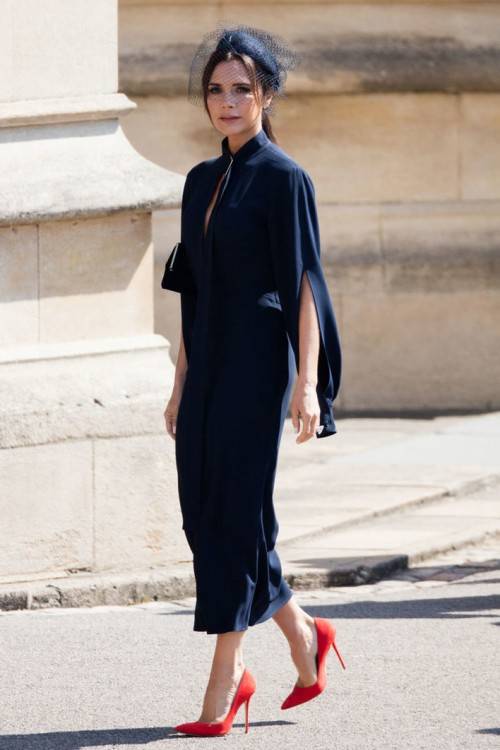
(163,584)
(127,589)
(99,590)
(355,573)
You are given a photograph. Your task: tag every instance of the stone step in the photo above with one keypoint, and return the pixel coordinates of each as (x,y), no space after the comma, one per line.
(375,547)
(322,485)
(349,505)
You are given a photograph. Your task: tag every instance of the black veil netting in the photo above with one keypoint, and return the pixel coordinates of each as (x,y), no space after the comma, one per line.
(271,52)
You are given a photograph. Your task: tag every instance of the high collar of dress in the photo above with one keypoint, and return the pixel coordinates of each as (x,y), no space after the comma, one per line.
(248,148)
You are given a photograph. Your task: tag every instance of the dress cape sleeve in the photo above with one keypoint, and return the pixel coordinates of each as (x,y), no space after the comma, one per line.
(184,282)
(295,249)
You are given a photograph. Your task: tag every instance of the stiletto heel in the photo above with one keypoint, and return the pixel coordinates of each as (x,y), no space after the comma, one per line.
(244,692)
(334,646)
(326,638)
(247,704)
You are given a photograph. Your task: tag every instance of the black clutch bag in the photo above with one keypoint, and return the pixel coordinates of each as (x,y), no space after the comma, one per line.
(178,275)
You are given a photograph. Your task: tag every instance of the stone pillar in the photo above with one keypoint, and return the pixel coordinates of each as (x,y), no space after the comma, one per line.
(87,473)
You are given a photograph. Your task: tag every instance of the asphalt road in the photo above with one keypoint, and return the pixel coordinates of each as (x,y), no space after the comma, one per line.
(423,671)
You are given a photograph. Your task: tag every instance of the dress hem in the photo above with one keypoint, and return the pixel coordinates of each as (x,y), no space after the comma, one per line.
(274,605)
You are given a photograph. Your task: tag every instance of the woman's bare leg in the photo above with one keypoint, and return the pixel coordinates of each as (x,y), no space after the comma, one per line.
(225,675)
(300,631)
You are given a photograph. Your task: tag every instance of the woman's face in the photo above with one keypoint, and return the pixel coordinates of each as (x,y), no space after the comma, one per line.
(232,105)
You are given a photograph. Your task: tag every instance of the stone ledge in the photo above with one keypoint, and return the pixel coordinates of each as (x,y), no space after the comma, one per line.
(79,397)
(385,62)
(80,348)
(167,3)
(94,172)
(68,109)
(346,63)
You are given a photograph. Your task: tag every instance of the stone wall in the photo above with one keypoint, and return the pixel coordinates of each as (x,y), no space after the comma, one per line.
(394,111)
(87,471)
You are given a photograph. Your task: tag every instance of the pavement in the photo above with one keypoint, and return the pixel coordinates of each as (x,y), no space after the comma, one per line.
(381,496)
(420,646)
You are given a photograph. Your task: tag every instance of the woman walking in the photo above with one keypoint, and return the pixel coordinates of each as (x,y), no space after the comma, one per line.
(255,312)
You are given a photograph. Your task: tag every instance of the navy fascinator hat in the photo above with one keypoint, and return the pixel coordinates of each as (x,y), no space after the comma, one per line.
(273,57)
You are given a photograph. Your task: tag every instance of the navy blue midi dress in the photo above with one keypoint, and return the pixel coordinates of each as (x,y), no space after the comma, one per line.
(239,288)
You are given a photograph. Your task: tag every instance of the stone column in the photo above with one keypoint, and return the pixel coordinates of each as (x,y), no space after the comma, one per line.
(87,471)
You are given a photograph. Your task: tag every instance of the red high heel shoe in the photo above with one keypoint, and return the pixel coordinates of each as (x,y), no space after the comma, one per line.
(326,638)
(246,689)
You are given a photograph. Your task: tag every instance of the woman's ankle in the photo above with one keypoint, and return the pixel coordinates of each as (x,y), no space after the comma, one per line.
(227,671)
(302,632)
(224,681)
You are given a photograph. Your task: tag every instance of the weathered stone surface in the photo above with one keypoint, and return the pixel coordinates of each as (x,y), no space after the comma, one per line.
(136,510)
(94,172)
(375,148)
(46,509)
(358,149)
(480,150)
(72,395)
(427,352)
(76,280)
(99,271)
(79,63)
(442,248)
(443,46)
(19,315)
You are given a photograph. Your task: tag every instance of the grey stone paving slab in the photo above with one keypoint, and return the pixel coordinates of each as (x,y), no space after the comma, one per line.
(379,470)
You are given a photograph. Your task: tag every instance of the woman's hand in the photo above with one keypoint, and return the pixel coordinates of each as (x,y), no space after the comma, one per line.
(304,405)
(172,409)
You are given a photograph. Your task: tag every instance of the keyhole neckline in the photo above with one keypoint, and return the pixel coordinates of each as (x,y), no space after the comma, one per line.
(253,144)
(214,199)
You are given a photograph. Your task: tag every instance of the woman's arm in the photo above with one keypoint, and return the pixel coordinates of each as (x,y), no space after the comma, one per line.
(181,364)
(309,340)
(172,407)
(304,400)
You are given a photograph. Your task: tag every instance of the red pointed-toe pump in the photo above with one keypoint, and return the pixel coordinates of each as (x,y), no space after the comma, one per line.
(326,638)
(246,689)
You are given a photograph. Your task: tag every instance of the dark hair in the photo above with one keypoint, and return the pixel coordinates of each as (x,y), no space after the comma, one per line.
(255,73)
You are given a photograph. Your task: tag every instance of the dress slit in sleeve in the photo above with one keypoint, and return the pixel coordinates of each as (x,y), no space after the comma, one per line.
(295,250)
